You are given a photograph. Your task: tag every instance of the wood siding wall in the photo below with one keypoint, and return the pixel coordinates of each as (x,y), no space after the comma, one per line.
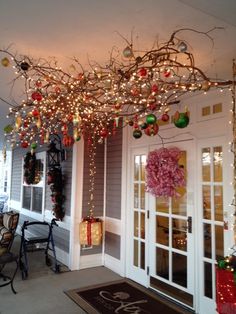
(99,182)
(113,190)
(98,192)
(113,180)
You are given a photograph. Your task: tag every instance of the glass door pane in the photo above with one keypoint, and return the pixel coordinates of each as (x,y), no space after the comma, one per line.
(212,215)
(139,213)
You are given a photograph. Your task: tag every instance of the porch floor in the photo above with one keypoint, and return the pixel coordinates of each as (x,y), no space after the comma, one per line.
(43,290)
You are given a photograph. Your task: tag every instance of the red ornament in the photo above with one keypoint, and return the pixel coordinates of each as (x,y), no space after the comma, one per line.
(103,133)
(151,99)
(22,135)
(152,106)
(57,89)
(70,118)
(154,88)
(135,91)
(152,129)
(35,112)
(165,117)
(80,76)
(142,72)
(67,140)
(64,129)
(117,106)
(131,123)
(37,96)
(38,83)
(167,73)
(24,144)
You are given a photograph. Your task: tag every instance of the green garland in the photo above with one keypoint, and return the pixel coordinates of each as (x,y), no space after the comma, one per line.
(29,167)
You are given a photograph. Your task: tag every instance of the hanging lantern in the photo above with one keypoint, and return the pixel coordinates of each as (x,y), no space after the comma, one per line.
(90,231)
(53,156)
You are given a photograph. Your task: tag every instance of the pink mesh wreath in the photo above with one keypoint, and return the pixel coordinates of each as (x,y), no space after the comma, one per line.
(163,173)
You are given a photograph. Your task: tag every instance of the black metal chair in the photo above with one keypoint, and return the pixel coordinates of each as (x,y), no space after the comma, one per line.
(31,243)
(8,225)
(5,259)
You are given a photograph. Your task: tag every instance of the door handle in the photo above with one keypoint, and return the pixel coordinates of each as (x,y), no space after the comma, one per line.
(189,221)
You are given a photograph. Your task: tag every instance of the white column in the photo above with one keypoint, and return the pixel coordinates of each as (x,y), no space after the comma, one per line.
(76,203)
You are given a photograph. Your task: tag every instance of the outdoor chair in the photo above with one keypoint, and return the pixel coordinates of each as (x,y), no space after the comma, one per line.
(8,225)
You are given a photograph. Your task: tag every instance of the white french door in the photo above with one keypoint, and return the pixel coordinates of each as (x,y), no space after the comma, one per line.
(212,216)
(137,219)
(171,243)
(161,242)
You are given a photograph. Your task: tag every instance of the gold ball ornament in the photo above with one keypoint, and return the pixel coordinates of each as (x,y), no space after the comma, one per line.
(5,62)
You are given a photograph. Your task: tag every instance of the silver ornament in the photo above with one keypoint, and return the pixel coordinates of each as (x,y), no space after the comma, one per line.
(182,47)
(128,52)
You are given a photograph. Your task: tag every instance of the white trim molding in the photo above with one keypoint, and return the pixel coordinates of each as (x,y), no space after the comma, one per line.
(113,225)
(114,264)
(92,260)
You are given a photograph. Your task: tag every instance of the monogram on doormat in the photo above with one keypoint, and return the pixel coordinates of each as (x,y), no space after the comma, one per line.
(118,297)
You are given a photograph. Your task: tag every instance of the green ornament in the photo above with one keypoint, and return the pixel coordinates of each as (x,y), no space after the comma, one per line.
(78,138)
(33,146)
(151,119)
(8,128)
(144,125)
(222,264)
(181,120)
(137,133)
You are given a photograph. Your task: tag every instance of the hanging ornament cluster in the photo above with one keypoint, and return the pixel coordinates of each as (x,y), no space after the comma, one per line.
(137,87)
(163,172)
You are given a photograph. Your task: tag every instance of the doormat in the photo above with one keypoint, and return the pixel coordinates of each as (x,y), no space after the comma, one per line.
(118,297)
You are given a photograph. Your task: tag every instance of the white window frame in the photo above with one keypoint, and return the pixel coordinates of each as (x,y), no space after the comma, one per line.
(27,212)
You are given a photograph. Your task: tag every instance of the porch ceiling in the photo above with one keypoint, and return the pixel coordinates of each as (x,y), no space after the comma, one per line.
(89,29)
